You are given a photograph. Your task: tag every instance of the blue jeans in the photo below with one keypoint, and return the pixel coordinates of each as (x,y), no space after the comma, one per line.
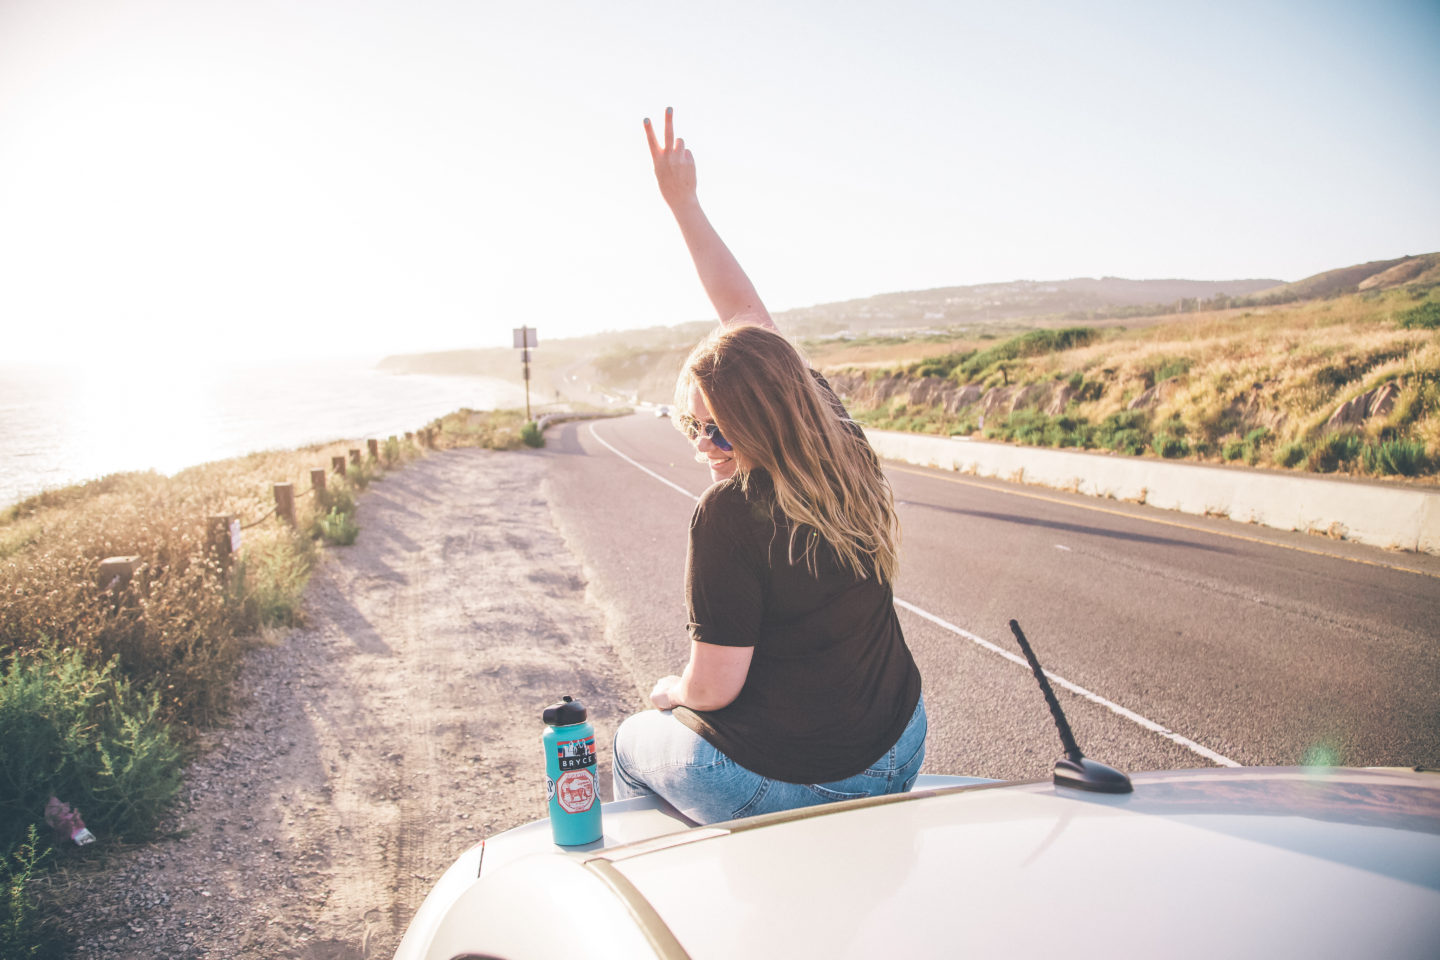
(657,754)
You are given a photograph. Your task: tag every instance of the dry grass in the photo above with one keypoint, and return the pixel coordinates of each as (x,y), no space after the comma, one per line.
(176,627)
(494,429)
(1225,374)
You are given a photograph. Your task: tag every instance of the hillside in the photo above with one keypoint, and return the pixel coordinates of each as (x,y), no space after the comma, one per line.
(1350,383)
(1336,371)
(992,306)
(975,310)
(1376,275)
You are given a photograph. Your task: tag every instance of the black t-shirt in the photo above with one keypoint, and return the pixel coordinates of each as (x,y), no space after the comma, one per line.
(832,684)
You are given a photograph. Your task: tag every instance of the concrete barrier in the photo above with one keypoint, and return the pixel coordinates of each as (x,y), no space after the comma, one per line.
(1392,517)
(546,419)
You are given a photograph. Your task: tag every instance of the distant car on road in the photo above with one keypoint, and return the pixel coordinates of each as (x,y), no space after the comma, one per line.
(663,410)
(1250,862)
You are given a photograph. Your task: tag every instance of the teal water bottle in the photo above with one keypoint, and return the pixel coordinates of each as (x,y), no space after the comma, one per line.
(570,781)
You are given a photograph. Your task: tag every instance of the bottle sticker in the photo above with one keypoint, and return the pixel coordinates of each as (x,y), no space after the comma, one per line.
(549,789)
(576,791)
(576,754)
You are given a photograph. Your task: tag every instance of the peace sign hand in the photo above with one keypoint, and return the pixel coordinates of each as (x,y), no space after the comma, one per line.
(674,165)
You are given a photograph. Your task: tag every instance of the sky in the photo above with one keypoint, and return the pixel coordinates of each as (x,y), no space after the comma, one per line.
(281,179)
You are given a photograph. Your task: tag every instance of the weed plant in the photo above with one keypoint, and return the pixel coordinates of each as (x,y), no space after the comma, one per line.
(23,931)
(1332,451)
(359,475)
(338,527)
(81,733)
(1290,454)
(1424,317)
(1405,458)
(530,434)
(920,418)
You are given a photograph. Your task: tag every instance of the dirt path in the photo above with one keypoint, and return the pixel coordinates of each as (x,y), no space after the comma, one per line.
(372,746)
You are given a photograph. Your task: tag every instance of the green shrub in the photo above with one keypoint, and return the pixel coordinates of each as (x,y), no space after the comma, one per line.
(1124,432)
(21,932)
(338,527)
(1075,432)
(966,368)
(81,733)
(359,475)
(337,497)
(272,583)
(1290,454)
(1169,367)
(1170,446)
(391,451)
(1424,317)
(1233,449)
(1332,451)
(1404,457)
(1254,440)
(530,434)
(963,428)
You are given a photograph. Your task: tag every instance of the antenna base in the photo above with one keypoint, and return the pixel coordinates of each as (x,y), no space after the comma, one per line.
(1086,774)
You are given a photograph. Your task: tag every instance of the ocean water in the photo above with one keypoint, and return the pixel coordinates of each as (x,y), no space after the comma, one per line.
(60,426)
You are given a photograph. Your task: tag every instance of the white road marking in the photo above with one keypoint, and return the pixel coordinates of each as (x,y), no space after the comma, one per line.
(673,486)
(1074,688)
(1061,546)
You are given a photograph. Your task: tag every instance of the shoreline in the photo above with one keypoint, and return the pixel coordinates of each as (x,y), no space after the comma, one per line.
(78,432)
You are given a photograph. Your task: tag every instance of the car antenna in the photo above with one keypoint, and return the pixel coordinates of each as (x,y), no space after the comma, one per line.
(1074,769)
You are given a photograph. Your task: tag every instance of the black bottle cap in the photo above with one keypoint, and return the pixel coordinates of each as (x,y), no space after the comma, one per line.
(563,714)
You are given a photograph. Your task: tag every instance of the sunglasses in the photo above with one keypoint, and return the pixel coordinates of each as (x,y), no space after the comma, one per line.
(694,428)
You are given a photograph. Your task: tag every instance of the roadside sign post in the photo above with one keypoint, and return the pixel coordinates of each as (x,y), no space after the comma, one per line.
(525,338)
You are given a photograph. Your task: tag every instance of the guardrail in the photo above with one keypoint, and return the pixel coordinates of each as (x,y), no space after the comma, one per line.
(1381,515)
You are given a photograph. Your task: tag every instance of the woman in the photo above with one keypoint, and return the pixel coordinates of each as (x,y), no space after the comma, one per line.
(799,688)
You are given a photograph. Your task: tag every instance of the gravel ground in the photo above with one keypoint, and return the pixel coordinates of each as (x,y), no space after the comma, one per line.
(370,747)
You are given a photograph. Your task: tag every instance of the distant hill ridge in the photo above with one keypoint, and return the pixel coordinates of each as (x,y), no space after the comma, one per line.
(985,307)
(1375,275)
(985,304)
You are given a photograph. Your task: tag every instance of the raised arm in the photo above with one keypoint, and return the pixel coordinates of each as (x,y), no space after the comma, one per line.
(727,286)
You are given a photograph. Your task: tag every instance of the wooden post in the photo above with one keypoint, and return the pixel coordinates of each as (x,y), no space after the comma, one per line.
(338,465)
(317,480)
(355,456)
(374,446)
(409,436)
(285,502)
(217,539)
(116,572)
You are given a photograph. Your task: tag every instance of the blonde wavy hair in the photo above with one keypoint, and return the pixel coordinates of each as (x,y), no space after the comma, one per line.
(827,480)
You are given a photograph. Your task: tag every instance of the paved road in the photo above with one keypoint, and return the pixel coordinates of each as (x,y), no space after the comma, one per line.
(1187,641)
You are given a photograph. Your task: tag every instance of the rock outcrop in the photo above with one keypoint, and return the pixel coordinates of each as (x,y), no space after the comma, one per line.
(863,393)
(1352,414)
